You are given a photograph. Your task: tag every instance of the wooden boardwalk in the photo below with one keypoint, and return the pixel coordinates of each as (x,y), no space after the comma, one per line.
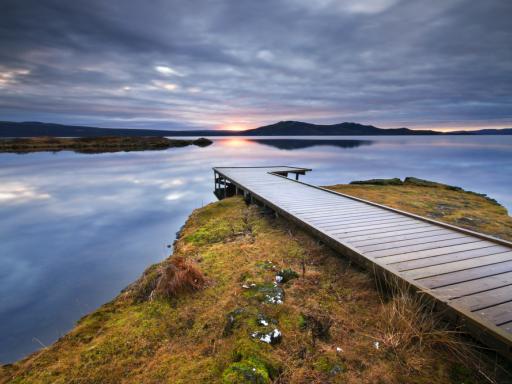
(468,274)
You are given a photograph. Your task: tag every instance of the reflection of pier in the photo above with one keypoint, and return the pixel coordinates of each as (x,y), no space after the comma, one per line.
(465,274)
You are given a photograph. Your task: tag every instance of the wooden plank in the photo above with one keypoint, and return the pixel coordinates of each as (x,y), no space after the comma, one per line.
(422,247)
(340,209)
(506,327)
(473,286)
(434,252)
(499,314)
(320,205)
(485,299)
(325,211)
(380,232)
(362,221)
(407,236)
(344,213)
(315,204)
(414,241)
(303,201)
(384,236)
(435,270)
(356,228)
(436,260)
(351,217)
(335,214)
(466,275)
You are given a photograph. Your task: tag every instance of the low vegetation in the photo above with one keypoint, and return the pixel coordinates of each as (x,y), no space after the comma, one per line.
(94,144)
(249,298)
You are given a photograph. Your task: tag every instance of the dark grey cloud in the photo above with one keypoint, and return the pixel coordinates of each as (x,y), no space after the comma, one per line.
(214,63)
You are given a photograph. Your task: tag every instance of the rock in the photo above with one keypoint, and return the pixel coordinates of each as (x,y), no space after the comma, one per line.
(271,338)
(264,321)
(319,325)
(336,370)
(231,321)
(268,292)
(285,275)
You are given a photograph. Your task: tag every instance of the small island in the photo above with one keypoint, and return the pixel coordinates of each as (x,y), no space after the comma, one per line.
(99,144)
(247,297)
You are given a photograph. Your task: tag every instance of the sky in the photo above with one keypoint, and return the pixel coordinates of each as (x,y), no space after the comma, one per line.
(235,64)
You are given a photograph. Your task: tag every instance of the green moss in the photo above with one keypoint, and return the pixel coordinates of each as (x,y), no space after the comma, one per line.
(302,322)
(232,321)
(246,371)
(250,354)
(266,265)
(461,374)
(287,275)
(266,292)
(329,365)
(213,232)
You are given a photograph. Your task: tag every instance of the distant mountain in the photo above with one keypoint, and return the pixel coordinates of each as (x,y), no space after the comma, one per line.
(503,131)
(283,128)
(31,129)
(298,128)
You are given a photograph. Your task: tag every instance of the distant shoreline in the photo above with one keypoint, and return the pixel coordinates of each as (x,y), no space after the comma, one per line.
(282,128)
(94,144)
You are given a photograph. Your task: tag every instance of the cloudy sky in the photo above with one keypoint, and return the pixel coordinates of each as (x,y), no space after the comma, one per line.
(245,63)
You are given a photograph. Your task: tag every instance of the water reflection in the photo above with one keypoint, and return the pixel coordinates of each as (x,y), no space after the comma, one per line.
(291,144)
(75,229)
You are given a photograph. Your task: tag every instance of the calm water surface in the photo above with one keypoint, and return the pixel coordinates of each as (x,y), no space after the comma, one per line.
(75,229)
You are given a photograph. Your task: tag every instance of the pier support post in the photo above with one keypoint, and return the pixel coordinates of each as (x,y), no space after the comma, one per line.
(296,176)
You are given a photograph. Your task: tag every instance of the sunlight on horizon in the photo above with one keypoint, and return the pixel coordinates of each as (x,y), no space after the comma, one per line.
(233,127)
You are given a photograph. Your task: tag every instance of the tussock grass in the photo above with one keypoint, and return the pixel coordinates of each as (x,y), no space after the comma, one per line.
(179,276)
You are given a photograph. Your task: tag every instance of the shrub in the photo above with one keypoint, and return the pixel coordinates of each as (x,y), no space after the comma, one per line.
(394,181)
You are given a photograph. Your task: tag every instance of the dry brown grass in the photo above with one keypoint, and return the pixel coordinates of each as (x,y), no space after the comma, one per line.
(179,276)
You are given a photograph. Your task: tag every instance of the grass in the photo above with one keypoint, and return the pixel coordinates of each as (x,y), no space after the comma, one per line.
(336,325)
(94,144)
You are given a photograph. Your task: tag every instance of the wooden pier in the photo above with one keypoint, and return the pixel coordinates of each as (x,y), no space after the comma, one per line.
(468,275)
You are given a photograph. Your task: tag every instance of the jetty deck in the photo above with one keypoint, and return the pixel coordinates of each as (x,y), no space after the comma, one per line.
(467,274)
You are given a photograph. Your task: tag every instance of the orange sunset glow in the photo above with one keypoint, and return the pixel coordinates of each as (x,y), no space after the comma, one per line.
(233,127)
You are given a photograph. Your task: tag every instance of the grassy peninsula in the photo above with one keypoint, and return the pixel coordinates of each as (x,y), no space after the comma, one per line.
(250,298)
(95,144)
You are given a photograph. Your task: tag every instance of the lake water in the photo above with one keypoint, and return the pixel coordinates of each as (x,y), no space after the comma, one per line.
(75,228)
